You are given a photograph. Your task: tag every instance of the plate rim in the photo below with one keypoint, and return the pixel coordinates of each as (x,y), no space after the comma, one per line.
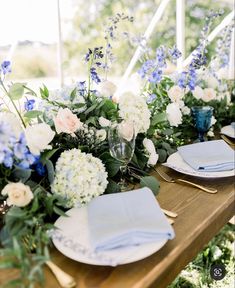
(62,249)
(227,134)
(195,173)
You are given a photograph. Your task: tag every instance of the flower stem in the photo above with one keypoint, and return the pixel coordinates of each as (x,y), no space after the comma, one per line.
(13,103)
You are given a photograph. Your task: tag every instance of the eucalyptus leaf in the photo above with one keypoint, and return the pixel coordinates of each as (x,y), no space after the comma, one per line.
(150,182)
(158,118)
(16,91)
(20,174)
(162,155)
(33,114)
(50,170)
(112,187)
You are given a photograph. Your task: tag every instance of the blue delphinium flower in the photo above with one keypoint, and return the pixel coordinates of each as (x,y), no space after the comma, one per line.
(147,65)
(155,76)
(182,80)
(161,56)
(94,75)
(6,67)
(29,104)
(40,169)
(174,52)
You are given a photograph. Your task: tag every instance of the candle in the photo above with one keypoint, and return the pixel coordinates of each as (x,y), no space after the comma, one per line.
(231,57)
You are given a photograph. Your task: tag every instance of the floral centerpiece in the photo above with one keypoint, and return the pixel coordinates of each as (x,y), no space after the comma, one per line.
(54,151)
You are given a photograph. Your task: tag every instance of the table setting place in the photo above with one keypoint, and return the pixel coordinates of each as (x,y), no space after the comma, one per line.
(81,166)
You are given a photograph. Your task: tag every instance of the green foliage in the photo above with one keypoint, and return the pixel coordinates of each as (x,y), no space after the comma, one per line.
(151,182)
(16,91)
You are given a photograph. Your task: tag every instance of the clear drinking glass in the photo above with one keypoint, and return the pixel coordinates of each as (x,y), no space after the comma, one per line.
(202,117)
(121,146)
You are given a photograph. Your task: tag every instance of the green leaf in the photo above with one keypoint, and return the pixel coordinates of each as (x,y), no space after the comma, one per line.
(168,132)
(16,91)
(112,187)
(158,118)
(20,174)
(50,170)
(162,155)
(150,182)
(47,155)
(73,94)
(44,92)
(33,114)
(90,109)
(59,212)
(112,166)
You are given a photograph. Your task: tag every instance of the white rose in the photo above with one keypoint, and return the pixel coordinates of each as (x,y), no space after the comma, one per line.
(222,73)
(174,114)
(149,146)
(12,120)
(38,137)
(185,110)
(126,130)
(104,122)
(18,194)
(67,122)
(175,94)
(153,157)
(101,135)
(107,88)
(198,92)
(209,94)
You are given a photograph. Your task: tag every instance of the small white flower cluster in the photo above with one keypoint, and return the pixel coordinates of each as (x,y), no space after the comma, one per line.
(79,177)
(133,108)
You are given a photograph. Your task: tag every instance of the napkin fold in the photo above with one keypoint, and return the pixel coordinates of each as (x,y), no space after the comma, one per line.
(208,156)
(126,218)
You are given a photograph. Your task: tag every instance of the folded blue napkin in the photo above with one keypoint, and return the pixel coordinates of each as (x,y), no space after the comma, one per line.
(209,156)
(127,218)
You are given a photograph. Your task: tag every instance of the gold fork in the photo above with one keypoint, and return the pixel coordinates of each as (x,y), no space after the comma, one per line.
(169,179)
(226,139)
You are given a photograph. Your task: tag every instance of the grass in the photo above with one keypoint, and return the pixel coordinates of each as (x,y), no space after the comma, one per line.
(220,250)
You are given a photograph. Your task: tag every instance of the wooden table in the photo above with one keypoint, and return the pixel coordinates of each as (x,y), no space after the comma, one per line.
(200,217)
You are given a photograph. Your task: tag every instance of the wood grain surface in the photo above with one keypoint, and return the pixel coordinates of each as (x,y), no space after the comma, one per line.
(200,217)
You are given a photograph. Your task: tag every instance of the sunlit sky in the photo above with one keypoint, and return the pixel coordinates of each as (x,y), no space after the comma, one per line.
(34,20)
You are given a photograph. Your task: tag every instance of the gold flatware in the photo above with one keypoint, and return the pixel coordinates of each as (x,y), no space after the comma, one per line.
(169,213)
(169,179)
(226,139)
(64,279)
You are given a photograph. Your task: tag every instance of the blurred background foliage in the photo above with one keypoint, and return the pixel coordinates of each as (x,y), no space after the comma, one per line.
(85,28)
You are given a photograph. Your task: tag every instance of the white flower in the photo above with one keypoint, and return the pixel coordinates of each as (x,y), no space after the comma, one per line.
(185,110)
(174,114)
(198,92)
(152,159)
(79,177)
(213,120)
(13,122)
(67,122)
(210,133)
(149,146)
(104,122)
(38,137)
(107,88)
(101,135)
(126,130)
(211,81)
(209,94)
(133,108)
(18,194)
(222,73)
(175,94)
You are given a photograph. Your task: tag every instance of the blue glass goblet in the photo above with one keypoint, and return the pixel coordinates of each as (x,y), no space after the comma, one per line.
(202,117)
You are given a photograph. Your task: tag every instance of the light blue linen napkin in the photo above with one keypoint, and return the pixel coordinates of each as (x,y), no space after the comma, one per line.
(209,156)
(126,218)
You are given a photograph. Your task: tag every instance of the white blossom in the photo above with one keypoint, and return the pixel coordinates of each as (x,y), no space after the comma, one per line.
(174,115)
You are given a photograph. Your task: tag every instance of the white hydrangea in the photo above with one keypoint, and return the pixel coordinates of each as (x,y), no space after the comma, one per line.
(79,177)
(133,108)
(174,114)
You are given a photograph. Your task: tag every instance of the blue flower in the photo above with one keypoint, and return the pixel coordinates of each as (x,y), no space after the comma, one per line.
(6,67)
(151,98)
(8,160)
(182,80)
(40,169)
(174,52)
(155,76)
(29,105)
(147,65)
(161,56)
(94,75)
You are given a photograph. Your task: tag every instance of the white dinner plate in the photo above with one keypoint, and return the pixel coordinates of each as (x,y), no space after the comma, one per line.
(228,131)
(176,162)
(72,240)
